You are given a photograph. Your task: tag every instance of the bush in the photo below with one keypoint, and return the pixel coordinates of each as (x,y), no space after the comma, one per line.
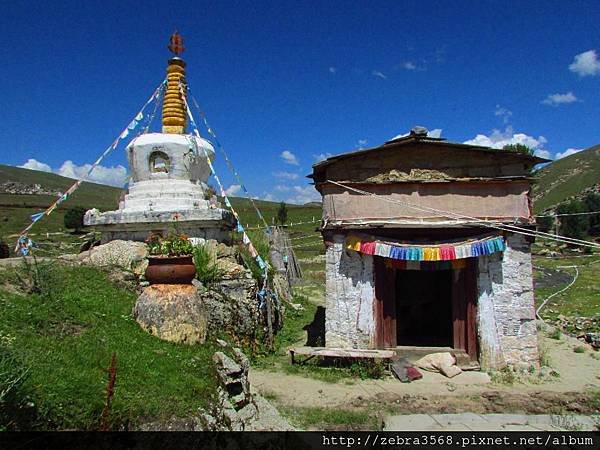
(261,243)
(74,218)
(282,213)
(592,203)
(172,245)
(545,224)
(518,148)
(207,270)
(4,249)
(573,226)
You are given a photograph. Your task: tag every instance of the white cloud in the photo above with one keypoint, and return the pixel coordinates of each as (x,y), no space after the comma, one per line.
(568,152)
(409,65)
(361,143)
(114,176)
(435,133)
(332,69)
(586,64)
(282,188)
(503,113)
(543,154)
(33,164)
(233,189)
(377,73)
(289,158)
(322,156)
(304,194)
(282,175)
(268,197)
(499,139)
(559,99)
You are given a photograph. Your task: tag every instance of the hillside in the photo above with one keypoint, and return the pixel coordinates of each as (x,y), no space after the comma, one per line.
(15,209)
(567,177)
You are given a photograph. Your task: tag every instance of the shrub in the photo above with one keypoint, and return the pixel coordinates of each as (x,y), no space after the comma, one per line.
(207,269)
(579,349)
(518,148)
(172,245)
(282,213)
(4,249)
(545,224)
(261,243)
(573,226)
(74,218)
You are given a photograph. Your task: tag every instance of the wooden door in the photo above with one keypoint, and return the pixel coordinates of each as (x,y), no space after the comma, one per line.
(464,308)
(385,304)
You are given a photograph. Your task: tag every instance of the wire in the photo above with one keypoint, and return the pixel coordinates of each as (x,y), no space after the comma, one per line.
(503,227)
(227,160)
(537,312)
(569,214)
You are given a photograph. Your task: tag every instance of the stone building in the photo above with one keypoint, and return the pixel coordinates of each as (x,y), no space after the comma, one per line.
(409,262)
(169,171)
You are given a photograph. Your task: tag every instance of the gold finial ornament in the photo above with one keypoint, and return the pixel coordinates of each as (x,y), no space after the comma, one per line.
(174,111)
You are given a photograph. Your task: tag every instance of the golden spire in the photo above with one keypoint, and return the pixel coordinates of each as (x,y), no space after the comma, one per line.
(174,111)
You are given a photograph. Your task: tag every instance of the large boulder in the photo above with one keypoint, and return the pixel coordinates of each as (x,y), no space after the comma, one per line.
(172,312)
(127,255)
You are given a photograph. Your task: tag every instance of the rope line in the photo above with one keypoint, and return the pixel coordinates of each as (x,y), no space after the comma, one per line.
(537,312)
(23,242)
(228,161)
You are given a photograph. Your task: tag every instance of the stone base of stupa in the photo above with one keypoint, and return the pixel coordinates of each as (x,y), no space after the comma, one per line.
(211,223)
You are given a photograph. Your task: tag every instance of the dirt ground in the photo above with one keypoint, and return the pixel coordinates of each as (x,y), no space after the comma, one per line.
(574,387)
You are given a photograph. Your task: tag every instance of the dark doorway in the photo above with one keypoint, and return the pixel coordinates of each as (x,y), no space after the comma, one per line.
(424,308)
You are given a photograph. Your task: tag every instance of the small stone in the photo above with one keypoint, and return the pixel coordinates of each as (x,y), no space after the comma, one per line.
(221,343)
(451,387)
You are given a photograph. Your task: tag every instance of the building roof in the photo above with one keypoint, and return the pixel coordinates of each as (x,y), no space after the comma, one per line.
(422,138)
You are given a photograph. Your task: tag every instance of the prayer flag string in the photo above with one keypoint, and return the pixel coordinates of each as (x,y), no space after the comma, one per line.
(240,228)
(23,243)
(441,252)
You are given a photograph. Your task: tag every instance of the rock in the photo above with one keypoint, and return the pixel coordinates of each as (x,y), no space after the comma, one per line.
(238,408)
(222,343)
(128,255)
(172,312)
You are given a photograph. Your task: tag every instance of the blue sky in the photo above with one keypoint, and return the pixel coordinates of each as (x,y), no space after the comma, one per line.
(284,83)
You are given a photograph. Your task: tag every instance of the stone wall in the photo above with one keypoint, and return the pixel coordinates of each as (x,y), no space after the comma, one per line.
(350,291)
(505,310)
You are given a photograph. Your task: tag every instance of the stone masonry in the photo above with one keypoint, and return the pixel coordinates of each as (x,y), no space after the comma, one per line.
(505,309)
(350,291)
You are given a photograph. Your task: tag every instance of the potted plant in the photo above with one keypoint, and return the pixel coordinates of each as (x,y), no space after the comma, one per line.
(170,259)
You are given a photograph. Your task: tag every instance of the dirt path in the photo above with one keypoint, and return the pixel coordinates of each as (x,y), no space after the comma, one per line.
(470,391)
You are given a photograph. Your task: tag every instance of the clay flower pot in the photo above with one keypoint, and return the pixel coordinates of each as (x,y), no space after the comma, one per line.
(170,270)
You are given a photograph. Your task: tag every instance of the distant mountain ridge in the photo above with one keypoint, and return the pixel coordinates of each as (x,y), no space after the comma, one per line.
(573,176)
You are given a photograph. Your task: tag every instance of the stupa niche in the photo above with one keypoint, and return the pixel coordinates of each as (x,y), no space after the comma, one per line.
(169,172)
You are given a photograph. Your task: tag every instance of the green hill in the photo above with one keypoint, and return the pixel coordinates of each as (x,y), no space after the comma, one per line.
(15,209)
(567,177)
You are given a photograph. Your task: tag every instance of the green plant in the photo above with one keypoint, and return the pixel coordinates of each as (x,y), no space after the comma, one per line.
(35,277)
(4,249)
(555,334)
(574,226)
(368,369)
(207,269)
(579,349)
(282,213)
(172,245)
(261,243)
(518,148)
(74,218)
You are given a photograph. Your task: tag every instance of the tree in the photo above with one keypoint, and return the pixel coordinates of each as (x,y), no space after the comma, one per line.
(74,218)
(592,203)
(545,224)
(575,226)
(282,213)
(519,148)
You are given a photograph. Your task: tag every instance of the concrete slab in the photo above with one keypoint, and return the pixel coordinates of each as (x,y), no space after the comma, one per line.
(410,422)
(490,422)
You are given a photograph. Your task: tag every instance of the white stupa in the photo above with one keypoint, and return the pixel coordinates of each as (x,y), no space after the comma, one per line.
(169,170)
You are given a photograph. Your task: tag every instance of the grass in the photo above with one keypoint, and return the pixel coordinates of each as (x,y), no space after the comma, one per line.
(66,339)
(566,177)
(582,300)
(333,419)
